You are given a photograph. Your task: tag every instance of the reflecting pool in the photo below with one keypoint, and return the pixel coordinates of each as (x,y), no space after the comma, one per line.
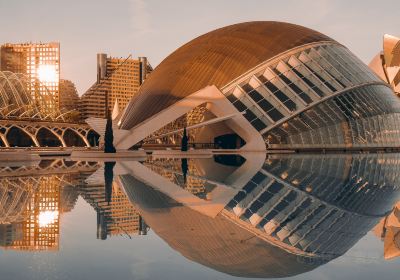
(294,216)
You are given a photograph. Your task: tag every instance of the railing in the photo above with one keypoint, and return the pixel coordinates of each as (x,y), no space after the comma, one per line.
(204,146)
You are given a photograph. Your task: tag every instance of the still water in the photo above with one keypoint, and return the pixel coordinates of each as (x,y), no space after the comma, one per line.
(332,216)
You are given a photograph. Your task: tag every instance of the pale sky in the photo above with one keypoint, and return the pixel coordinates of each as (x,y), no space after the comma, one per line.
(155,28)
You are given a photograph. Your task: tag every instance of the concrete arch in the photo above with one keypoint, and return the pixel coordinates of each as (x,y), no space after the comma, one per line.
(3,141)
(93,138)
(18,137)
(74,138)
(85,136)
(48,138)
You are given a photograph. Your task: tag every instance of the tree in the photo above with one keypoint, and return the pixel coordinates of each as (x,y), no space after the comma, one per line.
(185,140)
(108,180)
(109,137)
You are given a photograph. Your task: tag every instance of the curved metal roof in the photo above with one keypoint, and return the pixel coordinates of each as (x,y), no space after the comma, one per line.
(215,58)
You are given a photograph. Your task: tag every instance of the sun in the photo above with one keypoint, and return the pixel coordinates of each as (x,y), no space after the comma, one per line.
(47,73)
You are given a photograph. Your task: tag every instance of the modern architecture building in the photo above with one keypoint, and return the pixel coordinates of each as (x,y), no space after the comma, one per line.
(260,85)
(118,80)
(26,121)
(40,63)
(272,216)
(386,64)
(69,98)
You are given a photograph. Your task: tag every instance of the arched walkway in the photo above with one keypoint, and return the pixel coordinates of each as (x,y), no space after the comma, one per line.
(73,139)
(46,138)
(16,137)
(93,138)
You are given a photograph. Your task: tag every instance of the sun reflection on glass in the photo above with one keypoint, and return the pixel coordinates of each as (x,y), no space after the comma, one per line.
(47,217)
(47,73)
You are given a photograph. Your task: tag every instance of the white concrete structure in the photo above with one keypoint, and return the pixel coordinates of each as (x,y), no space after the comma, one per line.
(386,64)
(216,103)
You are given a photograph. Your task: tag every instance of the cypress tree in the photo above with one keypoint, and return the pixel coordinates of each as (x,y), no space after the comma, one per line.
(109,137)
(185,140)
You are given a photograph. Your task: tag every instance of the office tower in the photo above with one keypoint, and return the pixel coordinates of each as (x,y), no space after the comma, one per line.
(118,79)
(40,63)
(69,98)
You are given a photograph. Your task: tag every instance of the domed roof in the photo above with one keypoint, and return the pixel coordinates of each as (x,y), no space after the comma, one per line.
(215,58)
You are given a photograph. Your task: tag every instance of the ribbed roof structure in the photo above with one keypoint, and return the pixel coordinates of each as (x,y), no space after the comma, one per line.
(19,100)
(215,58)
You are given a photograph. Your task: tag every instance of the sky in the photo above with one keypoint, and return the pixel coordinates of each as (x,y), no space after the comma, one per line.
(155,28)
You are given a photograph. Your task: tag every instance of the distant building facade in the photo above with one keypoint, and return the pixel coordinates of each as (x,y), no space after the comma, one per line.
(117,79)
(69,98)
(40,62)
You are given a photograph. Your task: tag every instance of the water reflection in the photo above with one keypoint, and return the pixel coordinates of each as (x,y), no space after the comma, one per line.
(31,203)
(253,215)
(290,215)
(33,198)
(388,230)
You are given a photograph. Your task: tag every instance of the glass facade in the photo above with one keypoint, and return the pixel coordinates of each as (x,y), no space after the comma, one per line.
(366,117)
(319,204)
(318,96)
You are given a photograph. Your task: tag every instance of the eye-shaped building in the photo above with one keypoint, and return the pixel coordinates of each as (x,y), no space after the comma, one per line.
(260,85)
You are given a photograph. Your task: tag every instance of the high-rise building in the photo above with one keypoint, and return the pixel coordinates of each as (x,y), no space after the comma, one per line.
(115,217)
(69,97)
(40,63)
(117,79)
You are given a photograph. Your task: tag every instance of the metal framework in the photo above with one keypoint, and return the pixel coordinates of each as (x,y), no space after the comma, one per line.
(17,102)
(18,184)
(32,131)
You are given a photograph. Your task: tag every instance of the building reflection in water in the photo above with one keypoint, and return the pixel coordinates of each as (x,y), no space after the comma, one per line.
(388,230)
(115,217)
(290,215)
(33,199)
(250,216)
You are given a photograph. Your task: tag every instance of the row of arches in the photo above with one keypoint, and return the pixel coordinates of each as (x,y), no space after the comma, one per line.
(16,136)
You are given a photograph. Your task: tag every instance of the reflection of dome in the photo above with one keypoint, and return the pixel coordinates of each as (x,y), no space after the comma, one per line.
(291,214)
(216,243)
(18,101)
(273,84)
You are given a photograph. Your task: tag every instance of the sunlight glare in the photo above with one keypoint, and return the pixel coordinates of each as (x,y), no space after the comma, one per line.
(47,217)
(47,73)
